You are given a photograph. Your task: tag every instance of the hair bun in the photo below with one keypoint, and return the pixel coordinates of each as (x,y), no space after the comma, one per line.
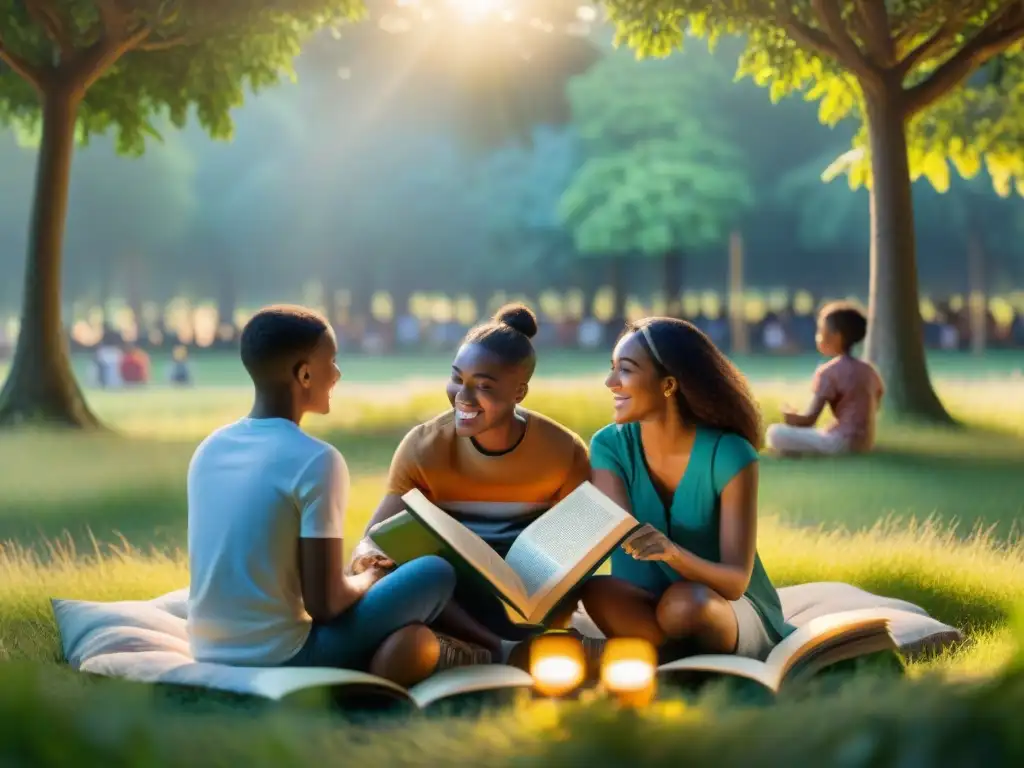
(518,316)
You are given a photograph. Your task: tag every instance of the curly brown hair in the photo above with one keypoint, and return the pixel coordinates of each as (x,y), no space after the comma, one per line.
(712,391)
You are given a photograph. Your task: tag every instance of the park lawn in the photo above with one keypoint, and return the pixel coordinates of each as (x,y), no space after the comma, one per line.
(822,520)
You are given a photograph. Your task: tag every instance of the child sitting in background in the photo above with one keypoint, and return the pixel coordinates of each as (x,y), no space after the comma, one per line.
(180,374)
(850,387)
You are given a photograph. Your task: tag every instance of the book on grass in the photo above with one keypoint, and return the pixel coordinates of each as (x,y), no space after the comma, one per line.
(810,649)
(548,559)
(821,643)
(350,689)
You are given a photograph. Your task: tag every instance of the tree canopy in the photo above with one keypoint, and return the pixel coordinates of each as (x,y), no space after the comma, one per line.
(661,176)
(893,66)
(77,68)
(136,62)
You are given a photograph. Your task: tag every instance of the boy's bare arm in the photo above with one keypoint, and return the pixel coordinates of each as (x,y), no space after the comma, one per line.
(327,592)
(809,417)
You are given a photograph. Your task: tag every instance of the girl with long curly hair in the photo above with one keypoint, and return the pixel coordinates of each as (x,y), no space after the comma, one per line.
(682,457)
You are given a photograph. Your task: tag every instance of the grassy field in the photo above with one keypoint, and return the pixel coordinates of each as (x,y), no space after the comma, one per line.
(932,517)
(222,369)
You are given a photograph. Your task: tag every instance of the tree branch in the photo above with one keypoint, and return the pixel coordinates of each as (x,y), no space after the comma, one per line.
(120,33)
(162,45)
(47,16)
(808,37)
(104,54)
(940,40)
(929,48)
(1005,28)
(830,17)
(874,21)
(27,71)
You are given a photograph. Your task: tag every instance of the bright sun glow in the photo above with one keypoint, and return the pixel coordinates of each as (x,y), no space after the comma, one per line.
(473,10)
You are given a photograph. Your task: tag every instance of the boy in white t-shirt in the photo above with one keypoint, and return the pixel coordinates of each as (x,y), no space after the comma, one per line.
(265,508)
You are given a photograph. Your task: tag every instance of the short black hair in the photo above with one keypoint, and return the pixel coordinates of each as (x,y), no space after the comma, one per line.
(280,335)
(847,320)
(508,335)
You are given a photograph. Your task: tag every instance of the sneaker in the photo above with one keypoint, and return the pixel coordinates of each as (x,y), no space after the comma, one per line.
(459,653)
(593,649)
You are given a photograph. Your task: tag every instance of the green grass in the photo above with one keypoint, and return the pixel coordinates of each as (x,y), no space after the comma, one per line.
(931,517)
(222,369)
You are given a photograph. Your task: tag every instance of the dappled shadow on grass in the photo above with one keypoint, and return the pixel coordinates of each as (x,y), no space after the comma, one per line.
(975,480)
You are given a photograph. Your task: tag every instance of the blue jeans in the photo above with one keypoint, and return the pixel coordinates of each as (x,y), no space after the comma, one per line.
(414,593)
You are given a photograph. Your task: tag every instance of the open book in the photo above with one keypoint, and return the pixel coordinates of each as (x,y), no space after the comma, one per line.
(359,690)
(808,650)
(549,558)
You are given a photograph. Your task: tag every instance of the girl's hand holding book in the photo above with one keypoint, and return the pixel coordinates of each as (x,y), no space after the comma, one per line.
(648,543)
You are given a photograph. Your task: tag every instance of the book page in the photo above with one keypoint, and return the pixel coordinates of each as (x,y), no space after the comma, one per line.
(843,648)
(821,631)
(470,547)
(460,680)
(278,682)
(566,542)
(736,666)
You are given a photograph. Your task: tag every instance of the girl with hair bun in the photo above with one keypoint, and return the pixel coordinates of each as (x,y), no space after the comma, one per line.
(490,463)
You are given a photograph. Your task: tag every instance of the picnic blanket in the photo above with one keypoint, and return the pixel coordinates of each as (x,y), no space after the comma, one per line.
(147,641)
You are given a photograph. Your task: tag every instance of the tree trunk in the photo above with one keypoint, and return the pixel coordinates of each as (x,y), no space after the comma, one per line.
(588,280)
(106,272)
(895,342)
(227,299)
(41,386)
(735,309)
(617,277)
(977,292)
(331,309)
(673,268)
(135,293)
(360,294)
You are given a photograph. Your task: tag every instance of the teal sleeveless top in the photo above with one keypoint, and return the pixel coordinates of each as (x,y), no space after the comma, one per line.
(693,520)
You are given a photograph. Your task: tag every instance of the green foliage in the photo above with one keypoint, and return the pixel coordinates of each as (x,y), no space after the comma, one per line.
(515,196)
(971,132)
(660,174)
(799,48)
(831,217)
(657,196)
(199,56)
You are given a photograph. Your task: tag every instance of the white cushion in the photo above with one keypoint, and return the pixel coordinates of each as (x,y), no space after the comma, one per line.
(147,640)
(88,629)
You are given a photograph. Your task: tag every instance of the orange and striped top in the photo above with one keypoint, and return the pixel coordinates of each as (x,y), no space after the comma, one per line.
(495,495)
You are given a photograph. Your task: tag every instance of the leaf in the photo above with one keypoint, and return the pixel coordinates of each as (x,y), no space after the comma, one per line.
(936,169)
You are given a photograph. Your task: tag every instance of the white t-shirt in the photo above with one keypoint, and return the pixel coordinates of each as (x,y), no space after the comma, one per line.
(255,488)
